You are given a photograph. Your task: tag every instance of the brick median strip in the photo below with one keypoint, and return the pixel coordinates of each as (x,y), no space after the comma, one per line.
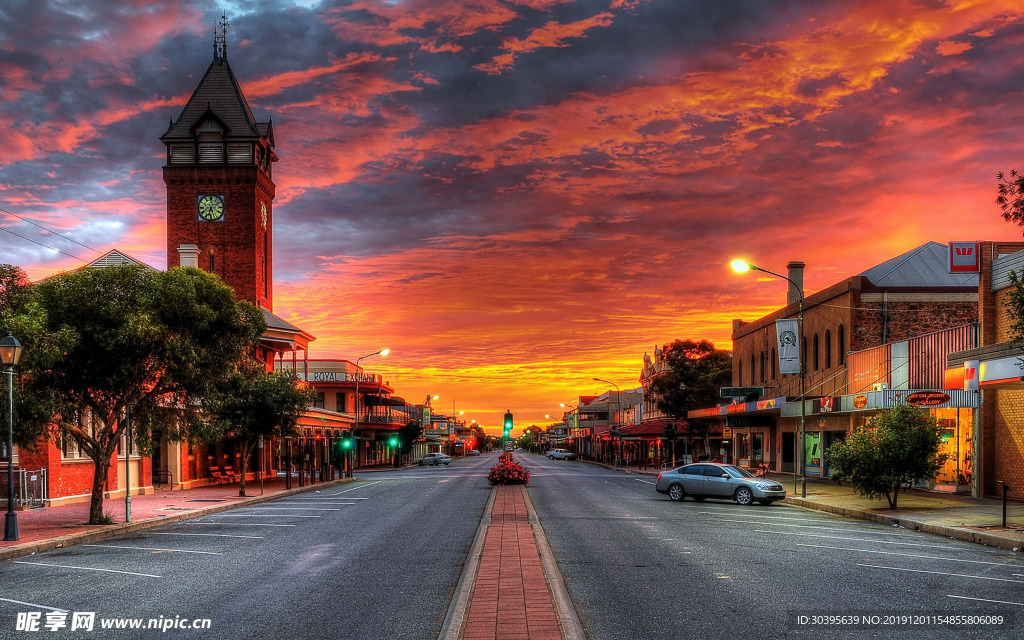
(511,588)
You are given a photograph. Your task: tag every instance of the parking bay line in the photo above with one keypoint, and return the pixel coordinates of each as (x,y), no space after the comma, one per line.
(211,535)
(905,555)
(1019,604)
(261,508)
(71,566)
(941,573)
(814,526)
(112,546)
(368,484)
(34,606)
(831,537)
(241,524)
(260,515)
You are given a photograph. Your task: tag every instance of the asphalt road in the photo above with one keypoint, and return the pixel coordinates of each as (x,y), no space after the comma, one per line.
(640,566)
(379,558)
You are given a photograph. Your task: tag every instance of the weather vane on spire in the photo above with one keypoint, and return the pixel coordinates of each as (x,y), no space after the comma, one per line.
(220,37)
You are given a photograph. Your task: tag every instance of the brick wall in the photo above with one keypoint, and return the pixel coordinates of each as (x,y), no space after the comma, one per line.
(1004,444)
(239,242)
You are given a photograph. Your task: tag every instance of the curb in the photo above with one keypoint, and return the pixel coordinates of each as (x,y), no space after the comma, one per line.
(112,531)
(957,533)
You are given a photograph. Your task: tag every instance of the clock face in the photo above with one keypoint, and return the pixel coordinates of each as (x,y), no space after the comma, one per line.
(263,214)
(211,208)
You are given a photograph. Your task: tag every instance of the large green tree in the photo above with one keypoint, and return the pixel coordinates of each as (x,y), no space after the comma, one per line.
(693,375)
(898,447)
(253,403)
(138,347)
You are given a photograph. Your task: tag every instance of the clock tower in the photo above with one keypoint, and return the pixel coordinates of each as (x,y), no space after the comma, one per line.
(220,193)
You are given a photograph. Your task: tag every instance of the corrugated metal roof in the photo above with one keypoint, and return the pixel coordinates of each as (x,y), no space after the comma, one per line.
(925,266)
(277,322)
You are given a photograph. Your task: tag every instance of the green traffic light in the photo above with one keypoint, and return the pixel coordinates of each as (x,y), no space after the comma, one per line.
(346,444)
(393,441)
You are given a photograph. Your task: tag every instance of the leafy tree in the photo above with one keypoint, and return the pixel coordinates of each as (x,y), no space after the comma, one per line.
(693,375)
(409,433)
(127,341)
(253,402)
(1010,196)
(898,447)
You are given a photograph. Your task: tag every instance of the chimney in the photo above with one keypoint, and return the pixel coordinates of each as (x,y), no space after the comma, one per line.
(796,274)
(188,255)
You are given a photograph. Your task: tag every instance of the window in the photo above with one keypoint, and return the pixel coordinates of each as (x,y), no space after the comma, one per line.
(240,153)
(341,404)
(803,353)
(828,349)
(774,360)
(739,373)
(816,351)
(842,345)
(753,372)
(762,366)
(183,154)
(320,398)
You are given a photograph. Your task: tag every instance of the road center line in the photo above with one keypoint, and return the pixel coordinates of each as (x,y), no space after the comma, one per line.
(35,606)
(71,566)
(111,546)
(941,573)
(905,555)
(212,535)
(1019,604)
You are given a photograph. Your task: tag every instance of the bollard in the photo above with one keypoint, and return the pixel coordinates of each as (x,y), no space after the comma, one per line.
(1006,489)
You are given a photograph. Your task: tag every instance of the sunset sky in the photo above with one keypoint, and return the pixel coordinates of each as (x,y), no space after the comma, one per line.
(518,196)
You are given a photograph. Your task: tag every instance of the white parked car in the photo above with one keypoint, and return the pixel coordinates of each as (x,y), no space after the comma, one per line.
(560,454)
(435,459)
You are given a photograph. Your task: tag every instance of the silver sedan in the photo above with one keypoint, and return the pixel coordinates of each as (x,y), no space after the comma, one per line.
(712,480)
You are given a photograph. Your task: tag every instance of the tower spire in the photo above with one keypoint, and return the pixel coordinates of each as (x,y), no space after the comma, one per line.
(220,38)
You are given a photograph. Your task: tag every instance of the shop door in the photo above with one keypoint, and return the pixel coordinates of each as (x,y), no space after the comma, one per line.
(788,443)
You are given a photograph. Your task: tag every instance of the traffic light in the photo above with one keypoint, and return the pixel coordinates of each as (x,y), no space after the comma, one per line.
(508,423)
(670,430)
(393,441)
(346,439)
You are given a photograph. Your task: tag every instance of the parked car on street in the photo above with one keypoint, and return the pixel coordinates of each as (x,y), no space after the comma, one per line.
(435,459)
(560,454)
(721,481)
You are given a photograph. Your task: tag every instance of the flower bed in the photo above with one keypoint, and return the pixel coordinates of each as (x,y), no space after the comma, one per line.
(508,472)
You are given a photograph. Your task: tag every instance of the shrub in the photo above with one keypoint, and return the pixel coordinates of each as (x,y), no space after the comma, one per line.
(508,472)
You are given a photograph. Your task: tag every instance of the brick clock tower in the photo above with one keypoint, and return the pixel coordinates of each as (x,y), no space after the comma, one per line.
(220,194)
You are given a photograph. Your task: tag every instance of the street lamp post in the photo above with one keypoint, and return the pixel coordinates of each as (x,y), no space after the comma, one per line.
(798,468)
(349,472)
(10,353)
(618,409)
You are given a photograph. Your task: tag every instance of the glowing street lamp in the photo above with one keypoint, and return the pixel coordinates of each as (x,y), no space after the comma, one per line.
(741,266)
(10,353)
(355,427)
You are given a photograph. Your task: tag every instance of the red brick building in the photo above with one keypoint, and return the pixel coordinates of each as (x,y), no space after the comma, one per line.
(908,296)
(994,370)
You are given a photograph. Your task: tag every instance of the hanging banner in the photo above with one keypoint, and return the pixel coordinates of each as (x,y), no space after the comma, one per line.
(789,349)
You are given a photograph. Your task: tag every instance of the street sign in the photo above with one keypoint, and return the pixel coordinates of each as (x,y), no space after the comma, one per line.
(508,445)
(742,392)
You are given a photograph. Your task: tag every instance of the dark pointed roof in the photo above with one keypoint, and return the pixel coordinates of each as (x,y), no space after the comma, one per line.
(218,93)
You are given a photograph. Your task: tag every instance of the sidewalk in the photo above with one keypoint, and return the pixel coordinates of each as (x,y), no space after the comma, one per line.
(977,520)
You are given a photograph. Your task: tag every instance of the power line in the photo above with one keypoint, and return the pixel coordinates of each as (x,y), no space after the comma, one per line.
(60,235)
(42,245)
